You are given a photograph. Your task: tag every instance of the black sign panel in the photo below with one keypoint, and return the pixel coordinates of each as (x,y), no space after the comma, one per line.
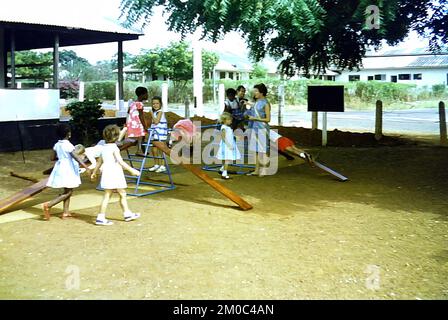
(326,98)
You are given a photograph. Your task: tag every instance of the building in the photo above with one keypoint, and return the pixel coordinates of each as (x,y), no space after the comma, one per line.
(409,66)
(231,67)
(30,114)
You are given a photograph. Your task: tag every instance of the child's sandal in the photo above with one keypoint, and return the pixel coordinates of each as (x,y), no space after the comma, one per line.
(225,177)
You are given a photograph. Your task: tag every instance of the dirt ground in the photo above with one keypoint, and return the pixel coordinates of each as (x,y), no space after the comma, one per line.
(382,235)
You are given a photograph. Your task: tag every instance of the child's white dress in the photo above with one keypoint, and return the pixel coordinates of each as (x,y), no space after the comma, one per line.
(112,176)
(224,152)
(65,173)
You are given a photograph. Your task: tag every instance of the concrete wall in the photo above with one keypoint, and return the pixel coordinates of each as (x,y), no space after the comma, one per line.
(430,77)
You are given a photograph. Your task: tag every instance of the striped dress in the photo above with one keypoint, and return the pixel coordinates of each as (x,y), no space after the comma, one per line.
(160,129)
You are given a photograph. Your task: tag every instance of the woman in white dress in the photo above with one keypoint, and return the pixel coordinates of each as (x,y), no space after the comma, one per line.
(65,173)
(112,177)
(228,150)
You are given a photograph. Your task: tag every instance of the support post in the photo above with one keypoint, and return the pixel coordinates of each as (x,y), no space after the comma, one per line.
(165,97)
(13,59)
(442,117)
(281,104)
(221,98)
(56,62)
(314,120)
(379,120)
(3,64)
(81,91)
(197,79)
(324,130)
(120,76)
(187,108)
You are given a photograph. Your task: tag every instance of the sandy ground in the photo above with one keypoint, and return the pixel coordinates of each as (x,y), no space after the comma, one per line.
(382,235)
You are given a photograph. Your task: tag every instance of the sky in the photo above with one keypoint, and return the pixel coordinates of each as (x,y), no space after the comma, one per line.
(156,33)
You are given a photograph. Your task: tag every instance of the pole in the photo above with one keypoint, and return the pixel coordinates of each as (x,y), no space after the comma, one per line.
(165,97)
(281,104)
(13,59)
(314,120)
(120,76)
(442,117)
(81,91)
(324,130)
(56,62)
(379,120)
(187,108)
(197,79)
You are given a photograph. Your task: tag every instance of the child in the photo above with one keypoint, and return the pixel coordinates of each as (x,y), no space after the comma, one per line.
(286,145)
(112,177)
(159,133)
(135,123)
(233,107)
(227,150)
(65,173)
(89,154)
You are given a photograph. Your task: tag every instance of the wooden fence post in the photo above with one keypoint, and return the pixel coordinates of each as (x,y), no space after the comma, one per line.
(379,120)
(442,117)
(314,120)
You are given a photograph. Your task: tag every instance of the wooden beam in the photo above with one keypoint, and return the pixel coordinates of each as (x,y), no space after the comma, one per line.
(20,196)
(207,179)
(13,59)
(3,59)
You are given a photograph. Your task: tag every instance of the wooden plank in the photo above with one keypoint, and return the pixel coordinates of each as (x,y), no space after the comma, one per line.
(207,179)
(22,195)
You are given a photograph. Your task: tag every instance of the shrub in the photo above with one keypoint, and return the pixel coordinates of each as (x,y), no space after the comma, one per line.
(84,120)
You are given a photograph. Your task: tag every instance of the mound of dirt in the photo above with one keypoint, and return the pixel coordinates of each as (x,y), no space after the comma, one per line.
(311,138)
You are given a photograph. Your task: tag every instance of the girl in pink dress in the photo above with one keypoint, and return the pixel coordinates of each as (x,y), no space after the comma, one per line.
(135,123)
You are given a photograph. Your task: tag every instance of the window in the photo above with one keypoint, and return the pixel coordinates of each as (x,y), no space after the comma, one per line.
(380,77)
(222,75)
(404,76)
(231,75)
(354,78)
(418,76)
(370,78)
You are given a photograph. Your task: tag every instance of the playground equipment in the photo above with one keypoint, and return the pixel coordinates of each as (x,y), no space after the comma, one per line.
(239,168)
(138,181)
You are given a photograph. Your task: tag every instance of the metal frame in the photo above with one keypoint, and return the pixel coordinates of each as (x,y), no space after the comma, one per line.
(132,158)
(216,167)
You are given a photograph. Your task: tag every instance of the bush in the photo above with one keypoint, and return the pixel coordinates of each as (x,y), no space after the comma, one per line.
(84,120)
(438,90)
(69,89)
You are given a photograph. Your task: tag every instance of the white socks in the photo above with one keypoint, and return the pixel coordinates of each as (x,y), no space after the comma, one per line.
(224,173)
(101,216)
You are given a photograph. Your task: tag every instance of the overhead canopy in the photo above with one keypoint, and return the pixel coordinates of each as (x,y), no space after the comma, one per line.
(34,32)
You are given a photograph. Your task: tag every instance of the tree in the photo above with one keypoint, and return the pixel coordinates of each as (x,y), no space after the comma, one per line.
(175,61)
(258,71)
(306,35)
(74,67)
(34,66)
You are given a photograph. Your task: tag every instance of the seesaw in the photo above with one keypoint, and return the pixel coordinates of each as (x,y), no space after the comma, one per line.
(315,164)
(41,185)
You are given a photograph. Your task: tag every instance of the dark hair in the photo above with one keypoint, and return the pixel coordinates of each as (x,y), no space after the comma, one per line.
(63,130)
(230,92)
(261,88)
(111,133)
(240,87)
(157,98)
(141,91)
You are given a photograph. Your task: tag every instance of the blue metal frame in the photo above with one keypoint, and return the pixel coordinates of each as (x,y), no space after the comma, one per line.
(132,158)
(216,167)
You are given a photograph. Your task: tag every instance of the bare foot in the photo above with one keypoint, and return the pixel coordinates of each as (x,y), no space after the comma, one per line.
(46,211)
(68,215)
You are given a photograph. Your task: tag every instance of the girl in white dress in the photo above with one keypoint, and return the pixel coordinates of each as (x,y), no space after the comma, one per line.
(65,173)
(112,177)
(228,150)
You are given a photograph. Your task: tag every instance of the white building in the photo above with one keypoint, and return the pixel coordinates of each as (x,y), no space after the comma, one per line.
(412,66)
(231,67)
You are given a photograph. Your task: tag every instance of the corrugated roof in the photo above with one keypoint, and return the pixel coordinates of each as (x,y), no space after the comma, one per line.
(403,62)
(70,21)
